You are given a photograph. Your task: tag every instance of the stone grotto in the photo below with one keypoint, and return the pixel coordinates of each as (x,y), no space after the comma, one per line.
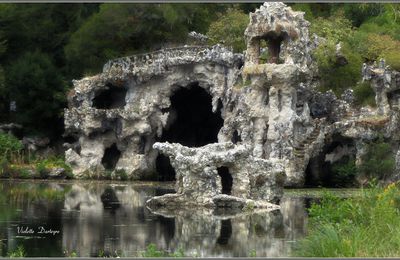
(231,129)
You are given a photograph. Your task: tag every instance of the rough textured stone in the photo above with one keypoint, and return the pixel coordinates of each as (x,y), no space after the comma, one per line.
(273,118)
(198,181)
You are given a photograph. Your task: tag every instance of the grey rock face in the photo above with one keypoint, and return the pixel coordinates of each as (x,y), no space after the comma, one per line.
(200,180)
(235,128)
(118,116)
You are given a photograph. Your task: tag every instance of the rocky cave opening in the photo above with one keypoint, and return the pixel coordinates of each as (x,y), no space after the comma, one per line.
(110,98)
(333,166)
(194,124)
(226,180)
(111,157)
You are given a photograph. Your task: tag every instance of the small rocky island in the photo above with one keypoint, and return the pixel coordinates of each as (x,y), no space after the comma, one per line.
(231,129)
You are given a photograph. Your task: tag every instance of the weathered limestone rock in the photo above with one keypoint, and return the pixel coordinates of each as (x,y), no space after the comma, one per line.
(250,181)
(227,127)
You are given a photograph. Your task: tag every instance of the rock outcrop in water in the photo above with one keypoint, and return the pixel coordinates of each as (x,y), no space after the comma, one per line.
(229,128)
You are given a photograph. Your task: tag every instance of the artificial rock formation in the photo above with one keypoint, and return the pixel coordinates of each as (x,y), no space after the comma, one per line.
(229,128)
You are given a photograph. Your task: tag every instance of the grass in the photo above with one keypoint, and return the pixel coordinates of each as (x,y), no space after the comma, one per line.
(363,226)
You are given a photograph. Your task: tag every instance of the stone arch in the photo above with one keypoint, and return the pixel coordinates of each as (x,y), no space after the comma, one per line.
(192,123)
(320,170)
(267,48)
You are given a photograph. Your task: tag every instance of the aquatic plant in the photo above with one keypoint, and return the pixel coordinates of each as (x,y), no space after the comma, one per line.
(152,251)
(363,226)
(19,252)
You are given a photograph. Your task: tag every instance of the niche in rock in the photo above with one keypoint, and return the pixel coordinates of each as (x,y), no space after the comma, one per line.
(273,43)
(334,166)
(165,171)
(111,97)
(236,137)
(226,180)
(111,157)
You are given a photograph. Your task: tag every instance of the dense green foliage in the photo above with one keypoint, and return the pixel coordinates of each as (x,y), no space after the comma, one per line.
(378,161)
(229,29)
(44,46)
(344,172)
(9,146)
(366,32)
(363,226)
(364,94)
(38,89)
(123,29)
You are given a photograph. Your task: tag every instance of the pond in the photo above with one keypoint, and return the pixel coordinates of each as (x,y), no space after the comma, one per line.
(98,218)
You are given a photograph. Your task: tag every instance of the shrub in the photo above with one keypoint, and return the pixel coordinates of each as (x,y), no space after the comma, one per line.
(43,167)
(364,94)
(335,77)
(10,146)
(378,161)
(378,44)
(229,29)
(392,58)
(344,172)
(122,175)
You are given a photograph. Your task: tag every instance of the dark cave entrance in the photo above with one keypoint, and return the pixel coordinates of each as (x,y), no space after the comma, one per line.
(111,97)
(195,124)
(111,157)
(226,180)
(191,123)
(334,167)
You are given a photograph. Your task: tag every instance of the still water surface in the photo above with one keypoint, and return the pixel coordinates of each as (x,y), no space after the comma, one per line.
(93,218)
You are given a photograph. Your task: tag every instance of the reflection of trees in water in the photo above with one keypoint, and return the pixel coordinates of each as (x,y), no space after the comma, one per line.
(111,219)
(98,217)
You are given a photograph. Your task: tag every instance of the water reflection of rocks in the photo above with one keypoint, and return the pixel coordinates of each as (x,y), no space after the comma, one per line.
(113,218)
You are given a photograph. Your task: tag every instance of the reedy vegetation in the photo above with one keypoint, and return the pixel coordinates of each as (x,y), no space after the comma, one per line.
(364,226)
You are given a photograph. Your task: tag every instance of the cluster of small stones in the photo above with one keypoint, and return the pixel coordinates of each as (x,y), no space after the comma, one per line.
(280,120)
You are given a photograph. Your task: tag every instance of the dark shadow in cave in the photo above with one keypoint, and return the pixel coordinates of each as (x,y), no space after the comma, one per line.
(226,180)
(195,124)
(225,232)
(164,168)
(111,157)
(320,173)
(236,137)
(112,97)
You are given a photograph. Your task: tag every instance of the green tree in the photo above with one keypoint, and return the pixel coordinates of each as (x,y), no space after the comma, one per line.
(124,29)
(39,91)
(338,77)
(229,29)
